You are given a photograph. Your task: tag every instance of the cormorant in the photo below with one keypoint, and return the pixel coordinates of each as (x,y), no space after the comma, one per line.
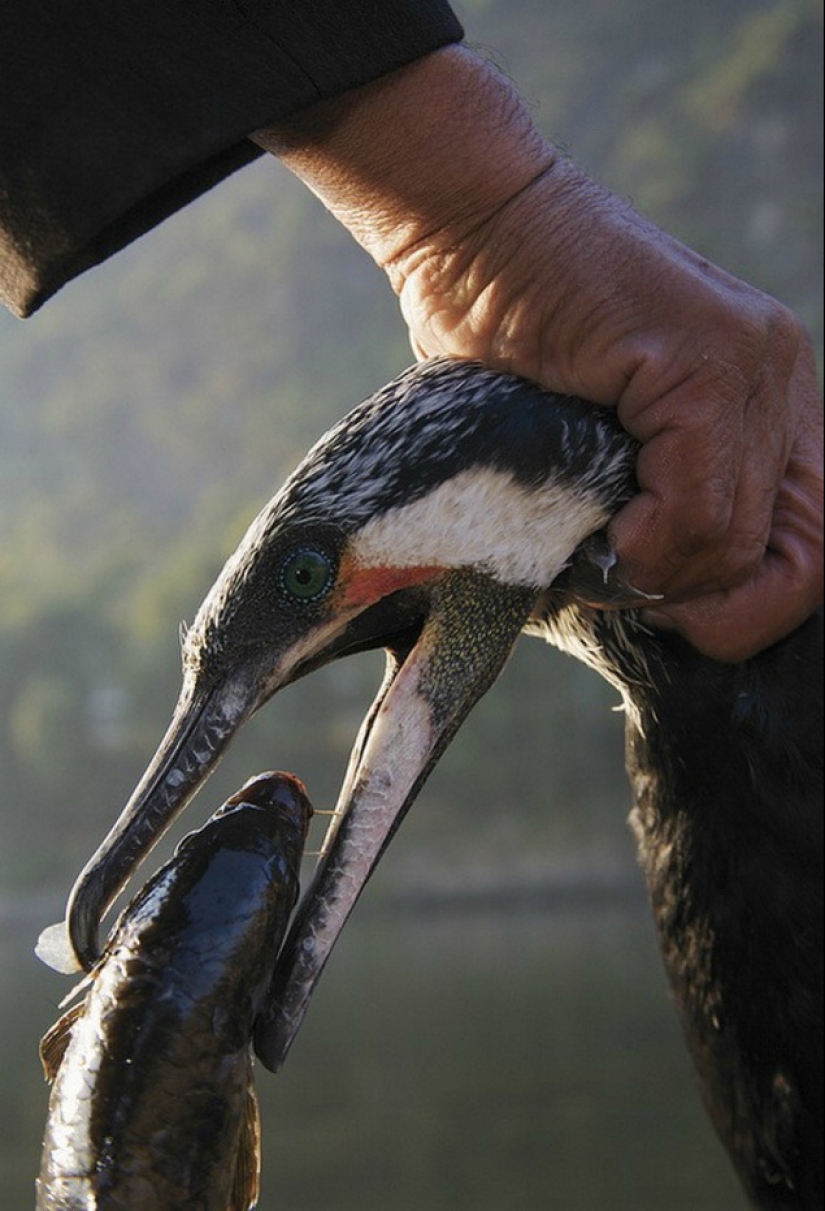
(453,510)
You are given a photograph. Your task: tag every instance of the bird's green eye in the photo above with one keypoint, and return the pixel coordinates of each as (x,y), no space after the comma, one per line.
(307,574)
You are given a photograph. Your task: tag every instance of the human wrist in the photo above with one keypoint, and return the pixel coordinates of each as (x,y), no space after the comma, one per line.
(427,153)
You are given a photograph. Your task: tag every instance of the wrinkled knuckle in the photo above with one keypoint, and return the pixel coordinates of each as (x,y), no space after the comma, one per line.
(783,323)
(785,333)
(706,520)
(738,562)
(765,337)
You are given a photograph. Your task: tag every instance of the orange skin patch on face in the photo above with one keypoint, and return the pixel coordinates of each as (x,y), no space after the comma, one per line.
(358,586)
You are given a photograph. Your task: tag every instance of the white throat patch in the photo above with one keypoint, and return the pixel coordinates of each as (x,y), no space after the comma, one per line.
(484,519)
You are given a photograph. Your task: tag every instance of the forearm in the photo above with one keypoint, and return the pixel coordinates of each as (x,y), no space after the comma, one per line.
(431,150)
(439,172)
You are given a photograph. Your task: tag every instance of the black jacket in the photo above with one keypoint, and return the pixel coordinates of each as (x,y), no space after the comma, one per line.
(115,113)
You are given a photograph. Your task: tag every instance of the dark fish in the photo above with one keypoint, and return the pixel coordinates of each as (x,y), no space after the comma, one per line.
(152,1106)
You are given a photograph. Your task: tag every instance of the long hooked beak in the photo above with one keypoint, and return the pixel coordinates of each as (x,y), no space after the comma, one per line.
(464,607)
(429,688)
(202,725)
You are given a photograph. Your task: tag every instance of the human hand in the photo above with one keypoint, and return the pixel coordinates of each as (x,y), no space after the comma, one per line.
(499,250)
(567,286)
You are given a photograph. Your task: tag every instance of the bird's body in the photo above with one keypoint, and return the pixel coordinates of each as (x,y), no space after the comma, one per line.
(438,520)
(725,762)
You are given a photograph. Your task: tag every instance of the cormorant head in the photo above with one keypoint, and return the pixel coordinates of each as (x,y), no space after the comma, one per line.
(428,522)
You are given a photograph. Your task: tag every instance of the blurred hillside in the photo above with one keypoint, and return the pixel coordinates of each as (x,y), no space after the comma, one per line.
(149,410)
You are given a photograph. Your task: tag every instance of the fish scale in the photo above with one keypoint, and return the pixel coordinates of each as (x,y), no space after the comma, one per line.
(152,1106)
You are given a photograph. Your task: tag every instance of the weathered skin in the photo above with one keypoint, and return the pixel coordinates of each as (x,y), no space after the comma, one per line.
(152,1106)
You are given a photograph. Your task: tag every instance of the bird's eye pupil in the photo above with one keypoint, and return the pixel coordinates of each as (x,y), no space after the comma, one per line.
(307,574)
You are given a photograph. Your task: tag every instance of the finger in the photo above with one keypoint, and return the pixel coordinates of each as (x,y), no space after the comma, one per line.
(669,535)
(786,589)
(419,352)
(736,625)
(709,472)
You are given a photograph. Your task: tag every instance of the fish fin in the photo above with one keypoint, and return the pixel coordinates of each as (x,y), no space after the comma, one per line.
(55,1041)
(80,987)
(55,950)
(246,1182)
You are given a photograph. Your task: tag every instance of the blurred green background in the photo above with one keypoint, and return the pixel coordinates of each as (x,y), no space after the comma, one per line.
(522,1056)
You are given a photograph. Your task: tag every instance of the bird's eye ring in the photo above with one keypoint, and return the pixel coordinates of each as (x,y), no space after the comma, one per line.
(307,574)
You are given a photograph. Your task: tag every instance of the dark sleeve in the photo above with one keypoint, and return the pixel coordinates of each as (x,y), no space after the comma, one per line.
(115,113)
